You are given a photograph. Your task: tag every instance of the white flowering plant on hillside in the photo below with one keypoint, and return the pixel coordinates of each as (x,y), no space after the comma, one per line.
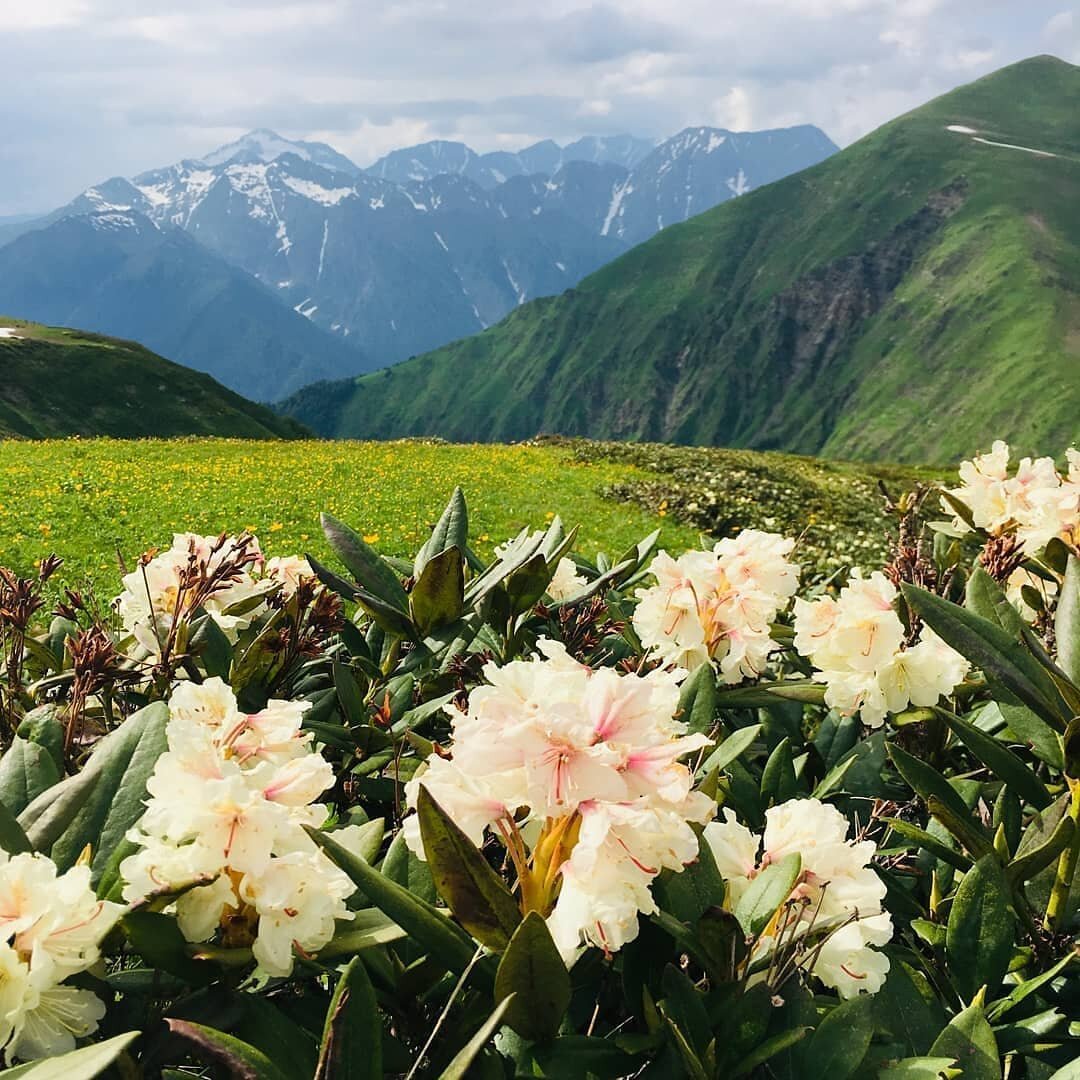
(702,814)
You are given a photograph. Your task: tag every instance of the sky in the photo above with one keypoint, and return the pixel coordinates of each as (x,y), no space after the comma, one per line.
(97,88)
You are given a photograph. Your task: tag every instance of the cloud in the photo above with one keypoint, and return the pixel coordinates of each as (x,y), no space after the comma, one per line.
(95,88)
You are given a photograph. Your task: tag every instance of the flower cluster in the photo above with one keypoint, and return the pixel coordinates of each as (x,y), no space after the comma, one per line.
(717,606)
(51,927)
(836,894)
(857,643)
(225,576)
(1035,503)
(578,772)
(229,802)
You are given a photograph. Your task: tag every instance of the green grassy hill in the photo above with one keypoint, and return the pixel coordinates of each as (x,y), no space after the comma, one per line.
(909,299)
(67,382)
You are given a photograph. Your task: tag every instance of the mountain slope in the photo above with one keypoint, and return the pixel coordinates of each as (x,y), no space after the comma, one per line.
(119,273)
(445,242)
(910,298)
(66,382)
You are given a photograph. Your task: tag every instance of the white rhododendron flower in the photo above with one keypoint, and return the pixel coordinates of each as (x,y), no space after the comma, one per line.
(1014,591)
(856,642)
(585,764)
(1035,502)
(566,581)
(717,606)
(289,571)
(149,604)
(229,800)
(51,927)
(836,889)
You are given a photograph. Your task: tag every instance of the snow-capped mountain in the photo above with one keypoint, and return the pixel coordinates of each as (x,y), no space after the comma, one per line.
(439,158)
(435,242)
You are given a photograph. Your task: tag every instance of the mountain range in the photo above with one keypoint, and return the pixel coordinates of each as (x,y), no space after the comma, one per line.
(909,298)
(271,263)
(60,382)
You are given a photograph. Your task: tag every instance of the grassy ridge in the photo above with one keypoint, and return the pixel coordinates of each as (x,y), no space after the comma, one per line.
(86,499)
(68,382)
(908,299)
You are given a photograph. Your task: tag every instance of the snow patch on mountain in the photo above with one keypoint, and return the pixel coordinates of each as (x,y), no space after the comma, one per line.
(316,192)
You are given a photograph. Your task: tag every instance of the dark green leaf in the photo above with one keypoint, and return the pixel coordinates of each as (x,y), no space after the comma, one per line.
(767,892)
(45,726)
(687,895)
(926,781)
(13,840)
(26,770)
(907,1008)
(970,1041)
(438,597)
(533,972)
(451,531)
(158,940)
(769,1049)
(99,805)
(459,1067)
(1035,859)
(472,890)
(352,1036)
(365,564)
(697,700)
(778,777)
(979,934)
(929,843)
(408,871)
(734,745)
(243,1060)
(919,1068)
(840,1042)
(1067,621)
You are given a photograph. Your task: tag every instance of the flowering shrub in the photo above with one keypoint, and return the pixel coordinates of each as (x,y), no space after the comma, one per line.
(720,813)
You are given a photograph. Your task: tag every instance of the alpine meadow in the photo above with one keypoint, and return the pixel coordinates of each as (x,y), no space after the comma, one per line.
(552,552)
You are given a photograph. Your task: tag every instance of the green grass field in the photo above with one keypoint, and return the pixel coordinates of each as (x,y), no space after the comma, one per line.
(86,499)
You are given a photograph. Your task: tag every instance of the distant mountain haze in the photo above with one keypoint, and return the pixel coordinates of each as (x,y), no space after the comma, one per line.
(366,267)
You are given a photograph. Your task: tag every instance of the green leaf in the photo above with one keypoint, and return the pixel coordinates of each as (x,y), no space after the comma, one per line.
(991,649)
(209,643)
(26,770)
(919,1068)
(1027,988)
(371,571)
(778,782)
(730,749)
(969,1040)
(158,940)
(438,597)
(767,892)
(533,972)
(840,1042)
(908,1008)
(962,827)
(927,842)
(451,531)
(444,941)
(459,1067)
(367,929)
(352,1036)
(979,933)
(697,700)
(99,805)
(409,871)
(688,894)
(13,840)
(476,895)
(528,583)
(1067,621)
(45,726)
(241,1059)
(925,780)
(769,1049)
(1043,741)
(1000,760)
(1031,861)
(85,1064)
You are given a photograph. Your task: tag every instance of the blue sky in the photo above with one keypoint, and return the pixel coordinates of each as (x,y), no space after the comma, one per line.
(95,88)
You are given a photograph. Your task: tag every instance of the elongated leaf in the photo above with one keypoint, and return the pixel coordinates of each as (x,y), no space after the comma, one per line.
(926,781)
(451,531)
(920,1068)
(459,1067)
(409,871)
(928,842)
(367,929)
(962,827)
(26,770)
(697,700)
(438,597)
(730,749)
(991,649)
(840,1042)
(1027,988)
(1035,859)
(694,890)
(99,805)
(157,939)
(473,891)
(12,839)
(241,1059)
(778,777)
(767,892)
(1067,621)
(352,1036)
(765,695)
(533,972)
(443,940)
(365,564)
(84,1064)
(45,726)
(979,934)
(1000,760)
(1043,741)
(769,1049)
(970,1041)
(908,1008)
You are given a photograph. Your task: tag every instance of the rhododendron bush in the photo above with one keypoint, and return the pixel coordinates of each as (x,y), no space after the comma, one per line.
(705,814)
